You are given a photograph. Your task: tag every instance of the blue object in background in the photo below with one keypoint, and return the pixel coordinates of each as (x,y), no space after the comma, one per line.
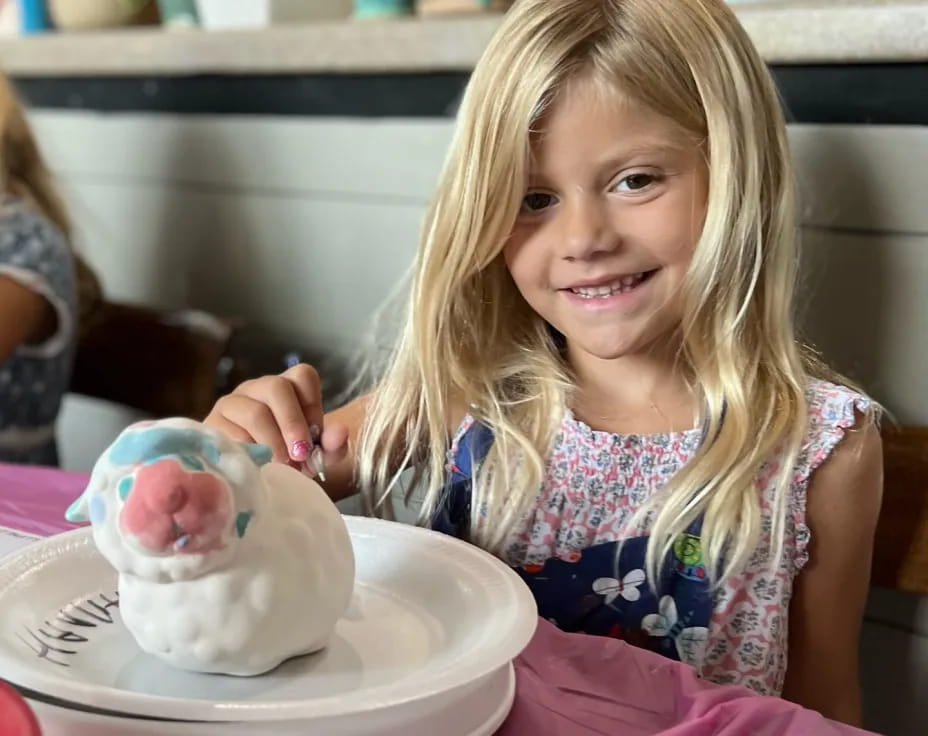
(33,16)
(382,8)
(178,13)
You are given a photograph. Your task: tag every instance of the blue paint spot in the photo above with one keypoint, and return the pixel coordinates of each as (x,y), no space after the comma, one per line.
(211,452)
(125,487)
(192,463)
(241,523)
(97,510)
(188,462)
(149,445)
(260,454)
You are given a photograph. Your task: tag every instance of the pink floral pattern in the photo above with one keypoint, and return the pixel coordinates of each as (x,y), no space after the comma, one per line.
(597,480)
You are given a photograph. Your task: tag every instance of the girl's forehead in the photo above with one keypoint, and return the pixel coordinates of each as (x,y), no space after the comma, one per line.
(585,121)
(585,102)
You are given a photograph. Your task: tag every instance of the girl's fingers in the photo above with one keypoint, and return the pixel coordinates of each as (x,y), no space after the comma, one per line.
(285,413)
(279,396)
(251,418)
(308,389)
(335,443)
(229,429)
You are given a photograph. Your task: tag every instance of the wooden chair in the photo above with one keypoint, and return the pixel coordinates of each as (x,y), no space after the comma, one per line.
(163,363)
(900,558)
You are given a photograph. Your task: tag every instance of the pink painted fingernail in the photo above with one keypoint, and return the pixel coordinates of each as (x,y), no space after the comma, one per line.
(299,450)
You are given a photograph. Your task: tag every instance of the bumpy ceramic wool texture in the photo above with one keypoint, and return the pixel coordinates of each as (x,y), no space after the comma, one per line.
(227,563)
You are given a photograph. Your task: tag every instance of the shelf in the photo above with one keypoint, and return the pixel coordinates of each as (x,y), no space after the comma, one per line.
(807,32)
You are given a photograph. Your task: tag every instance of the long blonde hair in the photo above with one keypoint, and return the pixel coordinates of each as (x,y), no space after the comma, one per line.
(24,174)
(471,341)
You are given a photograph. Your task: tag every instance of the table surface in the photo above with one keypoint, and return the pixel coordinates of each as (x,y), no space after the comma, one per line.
(567,684)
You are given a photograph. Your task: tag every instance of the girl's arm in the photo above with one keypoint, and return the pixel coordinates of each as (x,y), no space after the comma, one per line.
(27,316)
(828,603)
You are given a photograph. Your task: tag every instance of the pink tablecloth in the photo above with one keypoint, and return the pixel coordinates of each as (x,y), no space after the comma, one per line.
(567,684)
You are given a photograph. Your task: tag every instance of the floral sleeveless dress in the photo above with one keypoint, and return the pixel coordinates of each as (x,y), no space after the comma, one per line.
(565,547)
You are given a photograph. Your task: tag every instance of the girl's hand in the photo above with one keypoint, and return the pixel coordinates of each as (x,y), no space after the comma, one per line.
(285,413)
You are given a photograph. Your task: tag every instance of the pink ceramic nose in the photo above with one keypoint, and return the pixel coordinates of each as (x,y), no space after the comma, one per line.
(168,498)
(159,495)
(170,507)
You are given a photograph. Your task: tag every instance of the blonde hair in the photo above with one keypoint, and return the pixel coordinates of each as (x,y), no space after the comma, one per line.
(23,173)
(471,341)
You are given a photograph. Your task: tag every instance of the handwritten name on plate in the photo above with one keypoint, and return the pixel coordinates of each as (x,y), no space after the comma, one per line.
(59,638)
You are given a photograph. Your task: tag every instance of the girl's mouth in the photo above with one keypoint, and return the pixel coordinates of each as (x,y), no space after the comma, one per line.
(620,285)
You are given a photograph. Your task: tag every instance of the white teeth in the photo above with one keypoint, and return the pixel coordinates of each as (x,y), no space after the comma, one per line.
(625,283)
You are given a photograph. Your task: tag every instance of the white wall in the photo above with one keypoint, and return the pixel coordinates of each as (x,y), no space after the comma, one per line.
(865,296)
(295,224)
(305,225)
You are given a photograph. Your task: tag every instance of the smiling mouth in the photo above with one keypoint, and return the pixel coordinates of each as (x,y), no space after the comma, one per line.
(619,286)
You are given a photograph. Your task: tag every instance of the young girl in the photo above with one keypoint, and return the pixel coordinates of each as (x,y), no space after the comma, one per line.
(39,283)
(600,329)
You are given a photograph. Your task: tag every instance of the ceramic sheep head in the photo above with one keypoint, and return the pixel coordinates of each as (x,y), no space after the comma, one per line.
(170,499)
(227,562)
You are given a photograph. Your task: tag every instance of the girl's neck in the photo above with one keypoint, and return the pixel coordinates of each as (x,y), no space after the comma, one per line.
(645,393)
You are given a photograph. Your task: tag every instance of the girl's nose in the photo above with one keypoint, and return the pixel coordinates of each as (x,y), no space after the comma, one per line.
(587,229)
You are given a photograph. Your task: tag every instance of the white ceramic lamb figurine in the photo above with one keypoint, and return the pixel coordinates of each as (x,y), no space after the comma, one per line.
(227,563)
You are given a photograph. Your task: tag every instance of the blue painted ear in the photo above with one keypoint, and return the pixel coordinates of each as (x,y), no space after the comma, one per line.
(260,454)
(77,512)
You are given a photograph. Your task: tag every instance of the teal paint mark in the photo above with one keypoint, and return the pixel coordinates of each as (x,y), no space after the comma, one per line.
(241,523)
(212,453)
(260,454)
(125,487)
(76,512)
(192,463)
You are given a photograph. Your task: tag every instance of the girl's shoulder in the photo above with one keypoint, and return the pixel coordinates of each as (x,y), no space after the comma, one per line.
(833,409)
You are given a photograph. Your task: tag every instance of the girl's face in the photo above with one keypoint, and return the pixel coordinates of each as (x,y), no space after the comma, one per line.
(614,207)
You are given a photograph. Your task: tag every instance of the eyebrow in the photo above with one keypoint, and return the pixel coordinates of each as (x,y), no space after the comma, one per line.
(622,156)
(619,157)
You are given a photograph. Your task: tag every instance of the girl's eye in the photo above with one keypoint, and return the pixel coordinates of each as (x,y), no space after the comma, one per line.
(537,201)
(636,182)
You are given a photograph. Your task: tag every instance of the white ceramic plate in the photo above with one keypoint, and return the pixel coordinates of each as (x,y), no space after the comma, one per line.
(479,713)
(432,618)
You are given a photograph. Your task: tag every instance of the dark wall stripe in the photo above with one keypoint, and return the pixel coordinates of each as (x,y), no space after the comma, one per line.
(351,95)
(881,94)
(853,93)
